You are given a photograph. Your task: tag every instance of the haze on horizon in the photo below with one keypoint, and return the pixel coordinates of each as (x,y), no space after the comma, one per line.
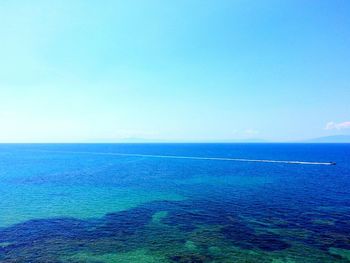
(84,71)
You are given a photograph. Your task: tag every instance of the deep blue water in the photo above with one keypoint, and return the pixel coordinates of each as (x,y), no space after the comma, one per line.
(78,203)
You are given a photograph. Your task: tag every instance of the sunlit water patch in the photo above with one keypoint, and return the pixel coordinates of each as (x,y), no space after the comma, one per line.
(30,202)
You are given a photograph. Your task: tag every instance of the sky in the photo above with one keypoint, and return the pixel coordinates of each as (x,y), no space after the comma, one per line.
(185,70)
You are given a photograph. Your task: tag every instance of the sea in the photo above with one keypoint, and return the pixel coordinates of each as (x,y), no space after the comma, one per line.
(174,203)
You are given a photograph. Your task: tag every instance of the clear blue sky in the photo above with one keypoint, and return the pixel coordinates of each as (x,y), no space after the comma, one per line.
(182,70)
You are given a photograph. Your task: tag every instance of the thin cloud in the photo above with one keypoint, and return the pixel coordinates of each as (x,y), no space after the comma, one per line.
(337,126)
(251,132)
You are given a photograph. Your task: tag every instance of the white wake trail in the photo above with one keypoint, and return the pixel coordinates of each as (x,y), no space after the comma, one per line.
(193,157)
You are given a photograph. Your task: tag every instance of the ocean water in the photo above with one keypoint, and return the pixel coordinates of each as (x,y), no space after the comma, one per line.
(86,203)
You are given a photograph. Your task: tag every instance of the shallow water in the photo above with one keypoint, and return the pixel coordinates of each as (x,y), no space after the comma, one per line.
(71,203)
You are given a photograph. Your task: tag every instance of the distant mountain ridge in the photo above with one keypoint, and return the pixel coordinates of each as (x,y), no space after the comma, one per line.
(331,139)
(325,139)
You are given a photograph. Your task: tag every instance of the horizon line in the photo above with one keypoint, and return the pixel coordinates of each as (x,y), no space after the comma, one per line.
(179,142)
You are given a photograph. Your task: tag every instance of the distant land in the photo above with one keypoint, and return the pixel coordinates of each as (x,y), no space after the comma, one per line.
(325,139)
(145,140)
(330,139)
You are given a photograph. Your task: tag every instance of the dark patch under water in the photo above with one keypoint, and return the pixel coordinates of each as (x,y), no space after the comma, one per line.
(127,230)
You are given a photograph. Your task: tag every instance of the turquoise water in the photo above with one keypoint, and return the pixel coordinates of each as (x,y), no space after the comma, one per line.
(79,203)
